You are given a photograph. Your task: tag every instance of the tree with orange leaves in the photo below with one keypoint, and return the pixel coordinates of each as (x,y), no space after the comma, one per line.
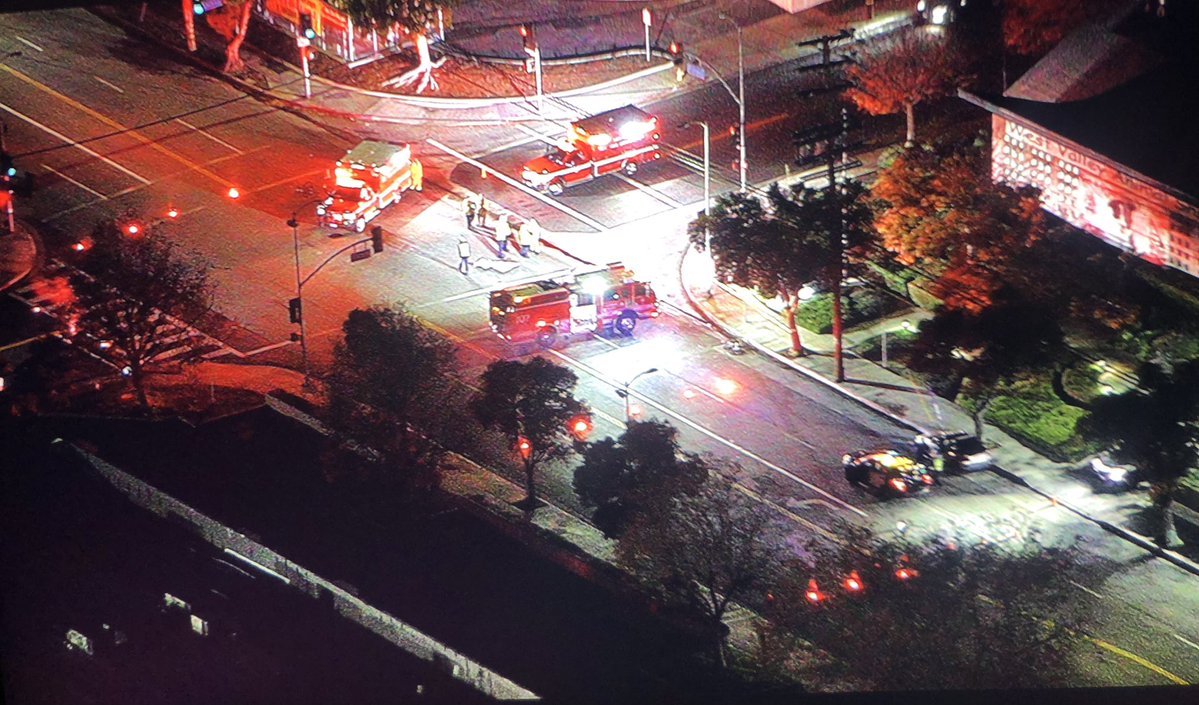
(902,70)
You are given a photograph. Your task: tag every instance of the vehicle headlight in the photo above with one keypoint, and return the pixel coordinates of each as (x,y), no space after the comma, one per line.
(920,6)
(1116,474)
(846,458)
(321,209)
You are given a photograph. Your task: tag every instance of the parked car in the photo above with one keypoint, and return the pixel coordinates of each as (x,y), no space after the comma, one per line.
(1113,476)
(950,451)
(890,473)
(938,12)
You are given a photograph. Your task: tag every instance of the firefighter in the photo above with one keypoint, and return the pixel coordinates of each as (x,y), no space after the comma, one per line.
(468,209)
(503,231)
(482,211)
(523,238)
(463,254)
(418,175)
(534,235)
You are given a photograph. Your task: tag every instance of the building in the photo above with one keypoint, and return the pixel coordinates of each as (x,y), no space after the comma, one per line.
(1105,125)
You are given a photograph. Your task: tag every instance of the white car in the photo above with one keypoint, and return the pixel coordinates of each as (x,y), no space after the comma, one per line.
(938,13)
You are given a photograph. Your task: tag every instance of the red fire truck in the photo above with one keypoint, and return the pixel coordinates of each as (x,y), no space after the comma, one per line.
(367,179)
(618,140)
(608,300)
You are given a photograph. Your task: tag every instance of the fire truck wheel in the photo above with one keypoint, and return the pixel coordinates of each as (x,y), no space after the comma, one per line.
(556,187)
(630,168)
(547,337)
(360,225)
(626,324)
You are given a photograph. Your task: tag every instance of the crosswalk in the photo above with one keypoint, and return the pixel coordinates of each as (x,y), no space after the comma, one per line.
(50,294)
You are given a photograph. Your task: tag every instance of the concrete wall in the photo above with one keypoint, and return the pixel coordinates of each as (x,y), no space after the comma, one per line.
(397,632)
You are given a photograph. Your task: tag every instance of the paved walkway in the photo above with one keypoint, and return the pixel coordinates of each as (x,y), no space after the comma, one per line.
(18,254)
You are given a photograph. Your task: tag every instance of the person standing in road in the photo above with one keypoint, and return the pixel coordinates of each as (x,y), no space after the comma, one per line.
(482,211)
(463,254)
(418,175)
(522,238)
(534,235)
(468,209)
(503,231)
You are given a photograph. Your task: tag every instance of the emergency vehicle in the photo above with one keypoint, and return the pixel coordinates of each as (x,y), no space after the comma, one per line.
(609,300)
(367,179)
(618,140)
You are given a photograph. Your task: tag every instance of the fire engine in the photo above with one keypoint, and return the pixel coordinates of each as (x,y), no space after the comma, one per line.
(367,179)
(608,300)
(618,140)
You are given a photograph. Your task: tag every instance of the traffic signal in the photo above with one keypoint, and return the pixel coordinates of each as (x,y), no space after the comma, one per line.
(295,310)
(581,427)
(202,6)
(529,38)
(8,168)
(735,135)
(377,238)
(524,447)
(306,29)
(679,61)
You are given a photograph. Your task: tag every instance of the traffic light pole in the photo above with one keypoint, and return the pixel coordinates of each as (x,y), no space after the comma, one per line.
(741,104)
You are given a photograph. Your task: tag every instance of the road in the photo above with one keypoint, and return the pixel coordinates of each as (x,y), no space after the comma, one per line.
(136,132)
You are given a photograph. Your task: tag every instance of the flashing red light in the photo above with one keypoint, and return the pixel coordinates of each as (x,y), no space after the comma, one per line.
(524,448)
(580,427)
(234,193)
(133,229)
(854,582)
(814,595)
(733,131)
(928,479)
(674,47)
(172,213)
(906,573)
(524,30)
(899,484)
(79,247)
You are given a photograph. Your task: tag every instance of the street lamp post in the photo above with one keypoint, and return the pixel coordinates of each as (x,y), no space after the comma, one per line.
(294,223)
(625,392)
(707,175)
(740,97)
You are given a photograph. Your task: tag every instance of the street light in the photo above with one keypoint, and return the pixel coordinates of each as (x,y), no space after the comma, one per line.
(294,224)
(707,172)
(741,95)
(625,392)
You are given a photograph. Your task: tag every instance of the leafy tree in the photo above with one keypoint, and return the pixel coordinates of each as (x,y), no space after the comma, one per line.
(532,403)
(707,549)
(936,615)
(417,17)
(231,21)
(898,72)
(938,207)
(1156,429)
(627,476)
(833,226)
(389,388)
(1032,27)
(982,350)
(129,285)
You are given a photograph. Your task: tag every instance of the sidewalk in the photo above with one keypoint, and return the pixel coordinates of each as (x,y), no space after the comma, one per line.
(740,315)
(18,254)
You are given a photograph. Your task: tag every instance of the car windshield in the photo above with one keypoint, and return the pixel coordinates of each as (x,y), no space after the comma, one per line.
(346,193)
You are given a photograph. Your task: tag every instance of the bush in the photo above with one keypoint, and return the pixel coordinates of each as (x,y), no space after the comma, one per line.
(816,314)
(1048,426)
(897,280)
(859,305)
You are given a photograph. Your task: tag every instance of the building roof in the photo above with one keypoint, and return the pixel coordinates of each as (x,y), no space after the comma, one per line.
(1127,92)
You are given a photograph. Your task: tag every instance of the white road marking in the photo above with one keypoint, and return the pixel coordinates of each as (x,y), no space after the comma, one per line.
(520,186)
(116,88)
(1188,642)
(26,42)
(716,437)
(214,138)
(73,143)
(1087,590)
(499,285)
(508,145)
(90,190)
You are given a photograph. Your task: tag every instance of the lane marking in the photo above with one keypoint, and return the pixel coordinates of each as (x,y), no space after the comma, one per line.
(499,285)
(1139,660)
(509,145)
(26,42)
(116,88)
(1086,589)
(70,142)
(89,189)
(521,187)
(288,180)
(198,168)
(1188,642)
(714,436)
(214,138)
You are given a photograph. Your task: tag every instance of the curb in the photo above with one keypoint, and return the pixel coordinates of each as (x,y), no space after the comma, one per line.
(15,239)
(1132,537)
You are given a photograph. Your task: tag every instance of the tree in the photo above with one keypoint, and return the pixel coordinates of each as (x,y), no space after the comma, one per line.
(389,390)
(981,350)
(707,549)
(936,614)
(532,403)
(1156,429)
(898,72)
(1032,27)
(417,17)
(232,21)
(833,226)
(130,284)
(938,207)
(625,477)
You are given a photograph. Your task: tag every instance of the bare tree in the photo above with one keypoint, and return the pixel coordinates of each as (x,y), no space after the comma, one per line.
(417,17)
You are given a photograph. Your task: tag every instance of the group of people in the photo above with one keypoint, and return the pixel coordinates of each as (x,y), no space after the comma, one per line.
(527,232)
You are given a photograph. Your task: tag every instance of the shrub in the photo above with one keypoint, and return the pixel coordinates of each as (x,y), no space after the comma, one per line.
(1046,425)
(816,314)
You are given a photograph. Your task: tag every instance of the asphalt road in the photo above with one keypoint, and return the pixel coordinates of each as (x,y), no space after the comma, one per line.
(134,132)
